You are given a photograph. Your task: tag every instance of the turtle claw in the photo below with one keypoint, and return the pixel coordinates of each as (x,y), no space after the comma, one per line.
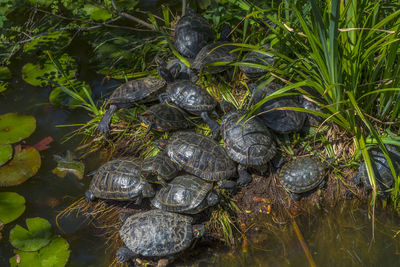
(89,197)
(103,127)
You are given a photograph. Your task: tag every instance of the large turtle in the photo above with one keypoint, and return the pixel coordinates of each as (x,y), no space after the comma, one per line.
(383,175)
(249,143)
(156,234)
(302,175)
(192,32)
(164,117)
(255,57)
(159,168)
(280,121)
(135,91)
(202,156)
(119,179)
(186,194)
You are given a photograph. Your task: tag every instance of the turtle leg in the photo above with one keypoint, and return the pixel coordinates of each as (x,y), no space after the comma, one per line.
(244,177)
(357,179)
(124,254)
(296,197)
(104,125)
(214,126)
(229,185)
(89,196)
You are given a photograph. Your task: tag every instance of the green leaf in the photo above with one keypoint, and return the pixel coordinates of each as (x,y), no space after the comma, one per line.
(36,237)
(59,98)
(12,205)
(97,13)
(23,166)
(5,73)
(53,41)
(56,254)
(14,127)
(44,3)
(5,153)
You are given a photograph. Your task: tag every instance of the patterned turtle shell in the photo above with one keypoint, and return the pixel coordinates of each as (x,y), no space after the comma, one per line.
(201,156)
(301,175)
(248,143)
(157,233)
(184,194)
(256,58)
(214,52)
(119,179)
(159,168)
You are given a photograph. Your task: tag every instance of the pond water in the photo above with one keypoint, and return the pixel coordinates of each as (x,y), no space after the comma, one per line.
(341,236)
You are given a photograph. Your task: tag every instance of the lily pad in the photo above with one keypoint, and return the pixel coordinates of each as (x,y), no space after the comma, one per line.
(37,236)
(34,74)
(5,153)
(56,254)
(12,205)
(59,98)
(23,166)
(53,41)
(14,127)
(5,73)
(68,164)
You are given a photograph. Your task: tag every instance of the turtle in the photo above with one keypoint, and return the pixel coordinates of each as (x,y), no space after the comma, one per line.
(220,51)
(249,143)
(186,194)
(280,121)
(255,57)
(159,168)
(177,69)
(190,97)
(164,117)
(383,175)
(156,234)
(191,33)
(201,156)
(119,179)
(302,175)
(136,91)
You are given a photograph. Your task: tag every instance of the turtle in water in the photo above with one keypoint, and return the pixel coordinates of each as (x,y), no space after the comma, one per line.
(159,168)
(164,117)
(119,179)
(136,91)
(383,175)
(255,57)
(191,33)
(186,194)
(190,97)
(302,175)
(201,156)
(156,234)
(280,121)
(249,143)
(215,52)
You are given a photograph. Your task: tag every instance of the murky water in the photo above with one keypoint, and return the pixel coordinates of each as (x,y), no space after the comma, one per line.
(340,237)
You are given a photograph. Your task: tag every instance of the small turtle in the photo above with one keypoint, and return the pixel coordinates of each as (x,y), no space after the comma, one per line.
(164,117)
(191,98)
(136,91)
(177,69)
(248,143)
(159,168)
(202,156)
(220,51)
(186,194)
(192,32)
(280,121)
(302,175)
(383,175)
(119,179)
(259,58)
(156,234)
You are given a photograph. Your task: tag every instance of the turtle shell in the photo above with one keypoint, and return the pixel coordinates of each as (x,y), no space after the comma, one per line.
(159,166)
(184,194)
(201,156)
(165,117)
(192,32)
(190,97)
(214,52)
(139,90)
(301,175)
(248,143)
(184,73)
(118,179)
(156,233)
(280,121)
(256,58)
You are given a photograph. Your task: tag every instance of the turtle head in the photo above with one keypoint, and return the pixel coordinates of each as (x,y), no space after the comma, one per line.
(161,144)
(198,230)
(148,190)
(89,196)
(212,198)
(163,70)
(226,106)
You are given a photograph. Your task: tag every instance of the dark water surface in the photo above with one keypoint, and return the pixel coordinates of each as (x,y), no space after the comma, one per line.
(340,237)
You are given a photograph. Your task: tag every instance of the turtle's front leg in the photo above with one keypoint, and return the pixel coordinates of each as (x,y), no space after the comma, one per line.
(214,126)
(104,125)
(124,254)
